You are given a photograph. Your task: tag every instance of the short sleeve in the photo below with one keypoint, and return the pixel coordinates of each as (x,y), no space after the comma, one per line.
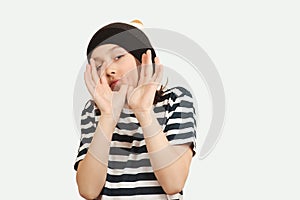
(87,129)
(181,122)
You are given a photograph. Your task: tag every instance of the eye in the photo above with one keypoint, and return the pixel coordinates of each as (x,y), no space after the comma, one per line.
(98,67)
(118,57)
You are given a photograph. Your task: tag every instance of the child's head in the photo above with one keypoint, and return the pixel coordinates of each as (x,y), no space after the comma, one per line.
(117,50)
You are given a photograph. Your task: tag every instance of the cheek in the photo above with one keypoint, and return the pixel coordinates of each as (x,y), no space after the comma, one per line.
(131,74)
(128,66)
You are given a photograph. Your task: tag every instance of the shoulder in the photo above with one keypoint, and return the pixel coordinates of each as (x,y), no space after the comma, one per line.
(178,94)
(88,112)
(89,106)
(177,91)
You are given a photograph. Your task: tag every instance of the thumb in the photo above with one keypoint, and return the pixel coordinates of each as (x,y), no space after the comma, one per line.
(129,93)
(123,90)
(118,101)
(121,94)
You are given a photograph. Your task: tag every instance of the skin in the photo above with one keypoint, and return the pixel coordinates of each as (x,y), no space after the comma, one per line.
(136,89)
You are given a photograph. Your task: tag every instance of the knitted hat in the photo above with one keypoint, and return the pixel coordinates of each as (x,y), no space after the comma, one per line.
(124,35)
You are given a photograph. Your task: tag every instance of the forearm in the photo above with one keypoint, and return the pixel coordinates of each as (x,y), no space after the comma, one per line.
(90,177)
(157,144)
(168,177)
(91,174)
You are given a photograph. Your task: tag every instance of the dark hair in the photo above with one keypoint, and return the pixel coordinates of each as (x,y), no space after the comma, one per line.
(128,37)
(159,93)
(124,35)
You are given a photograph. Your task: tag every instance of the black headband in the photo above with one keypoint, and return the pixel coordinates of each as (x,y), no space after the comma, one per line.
(126,36)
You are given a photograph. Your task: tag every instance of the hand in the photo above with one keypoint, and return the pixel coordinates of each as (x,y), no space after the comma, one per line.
(141,98)
(109,102)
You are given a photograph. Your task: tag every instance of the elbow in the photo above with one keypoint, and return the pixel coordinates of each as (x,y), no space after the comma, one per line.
(89,194)
(87,188)
(173,188)
(88,191)
(172,185)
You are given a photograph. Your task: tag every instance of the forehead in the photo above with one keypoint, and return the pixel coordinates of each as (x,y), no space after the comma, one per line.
(105,49)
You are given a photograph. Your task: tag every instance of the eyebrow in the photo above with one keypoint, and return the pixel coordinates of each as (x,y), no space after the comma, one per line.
(111,49)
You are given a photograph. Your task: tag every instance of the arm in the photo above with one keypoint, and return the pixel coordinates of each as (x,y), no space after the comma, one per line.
(91,174)
(171,181)
(166,159)
(92,170)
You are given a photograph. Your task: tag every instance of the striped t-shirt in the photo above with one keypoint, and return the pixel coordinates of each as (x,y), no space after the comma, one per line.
(129,173)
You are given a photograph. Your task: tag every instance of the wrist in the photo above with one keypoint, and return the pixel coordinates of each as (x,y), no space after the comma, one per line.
(149,124)
(144,117)
(107,124)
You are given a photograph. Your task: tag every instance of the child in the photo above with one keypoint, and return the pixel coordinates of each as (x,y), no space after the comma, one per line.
(137,142)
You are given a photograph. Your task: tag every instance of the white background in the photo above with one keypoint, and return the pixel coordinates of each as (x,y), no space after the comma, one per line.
(254,45)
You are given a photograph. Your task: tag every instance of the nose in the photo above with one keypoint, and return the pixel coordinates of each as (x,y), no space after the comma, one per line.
(110,70)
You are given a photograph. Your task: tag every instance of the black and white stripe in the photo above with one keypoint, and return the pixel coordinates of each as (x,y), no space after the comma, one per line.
(129,174)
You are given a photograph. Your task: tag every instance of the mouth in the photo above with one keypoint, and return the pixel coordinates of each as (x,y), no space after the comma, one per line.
(113,84)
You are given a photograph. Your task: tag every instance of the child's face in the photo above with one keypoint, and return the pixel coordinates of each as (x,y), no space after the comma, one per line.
(116,64)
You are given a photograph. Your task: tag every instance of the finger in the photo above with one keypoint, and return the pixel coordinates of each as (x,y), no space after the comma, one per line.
(129,93)
(118,100)
(104,80)
(160,74)
(121,94)
(160,70)
(148,67)
(148,58)
(157,69)
(88,76)
(102,73)
(94,72)
(89,85)
(94,77)
(142,73)
(156,60)
(123,90)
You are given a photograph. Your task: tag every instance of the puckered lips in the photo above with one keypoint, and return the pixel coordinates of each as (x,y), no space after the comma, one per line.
(113,84)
